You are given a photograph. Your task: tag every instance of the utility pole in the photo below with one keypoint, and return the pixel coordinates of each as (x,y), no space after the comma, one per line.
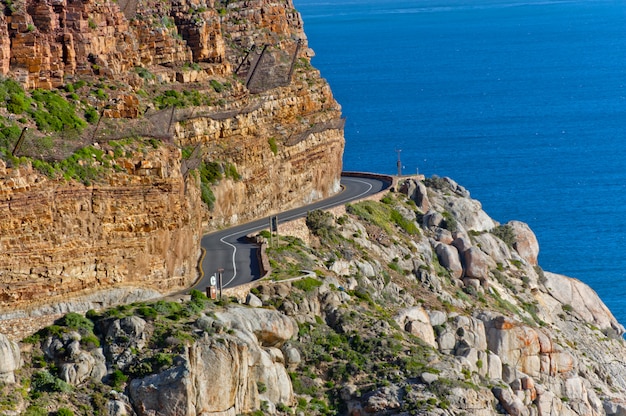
(399,163)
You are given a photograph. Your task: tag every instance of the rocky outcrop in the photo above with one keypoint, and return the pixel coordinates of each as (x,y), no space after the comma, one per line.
(75,364)
(9,359)
(541,343)
(582,300)
(249,365)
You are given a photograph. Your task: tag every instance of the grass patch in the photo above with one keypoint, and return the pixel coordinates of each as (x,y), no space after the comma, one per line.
(382,215)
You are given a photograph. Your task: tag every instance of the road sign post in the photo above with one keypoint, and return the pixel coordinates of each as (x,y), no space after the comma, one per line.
(219,274)
(273,228)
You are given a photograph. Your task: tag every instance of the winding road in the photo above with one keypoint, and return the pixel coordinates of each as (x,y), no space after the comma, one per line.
(228,249)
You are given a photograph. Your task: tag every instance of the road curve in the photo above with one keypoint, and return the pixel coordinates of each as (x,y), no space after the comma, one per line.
(228,249)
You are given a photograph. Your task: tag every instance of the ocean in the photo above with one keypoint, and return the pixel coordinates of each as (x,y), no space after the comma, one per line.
(521,102)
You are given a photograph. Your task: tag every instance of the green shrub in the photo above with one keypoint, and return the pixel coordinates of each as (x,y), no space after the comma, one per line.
(231,172)
(210,172)
(303,384)
(147,312)
(450,223)
(64,412)
(273,145)
(207,196)
(177,99)
(505,233)
(320,223)
(162,361)
(437,183)
(199,299)
(77,322)
(90,341)
(144,73)
(168,308)
(261,387)
(407,225)
(12,93)
(91,114)
(43,381)
(117,379)
(387,199)
(9,135)
(54,113)
(307,284)
(17,103)
(216,85)
(34,410)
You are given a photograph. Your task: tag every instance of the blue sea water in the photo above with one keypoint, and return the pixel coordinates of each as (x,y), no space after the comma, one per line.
(522,102)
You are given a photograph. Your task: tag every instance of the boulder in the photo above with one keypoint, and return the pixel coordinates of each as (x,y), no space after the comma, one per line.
(382,400)
(510,402)
(449,258)
(476,264)
(365,268)
(494,366)
(495,248)
(166,393)
(292,356)
(469,214)
(437,317)
(82,366)
(341,267)
(75,364)
(125,335)
(117,408)
(526,243)
(432,219)
(253,301)
(271,328)
(416,190)
(416,321)
(443,236)
(10,359)
(584,301)
(613,408)
(461,242)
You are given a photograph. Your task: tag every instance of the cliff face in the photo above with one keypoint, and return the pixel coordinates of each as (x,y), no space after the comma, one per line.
(229,82)
(61,238)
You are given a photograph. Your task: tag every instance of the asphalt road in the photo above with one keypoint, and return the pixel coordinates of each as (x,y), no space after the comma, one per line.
(228,249)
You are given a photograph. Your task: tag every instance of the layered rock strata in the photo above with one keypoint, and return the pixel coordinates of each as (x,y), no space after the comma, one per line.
(61,239)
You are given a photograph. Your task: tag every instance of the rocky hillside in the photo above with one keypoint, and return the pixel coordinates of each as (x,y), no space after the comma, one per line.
(127,128)
(418,303)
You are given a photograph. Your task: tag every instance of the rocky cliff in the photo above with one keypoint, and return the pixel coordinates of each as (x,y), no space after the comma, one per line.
(60,238)
(226,87)
(418,303)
